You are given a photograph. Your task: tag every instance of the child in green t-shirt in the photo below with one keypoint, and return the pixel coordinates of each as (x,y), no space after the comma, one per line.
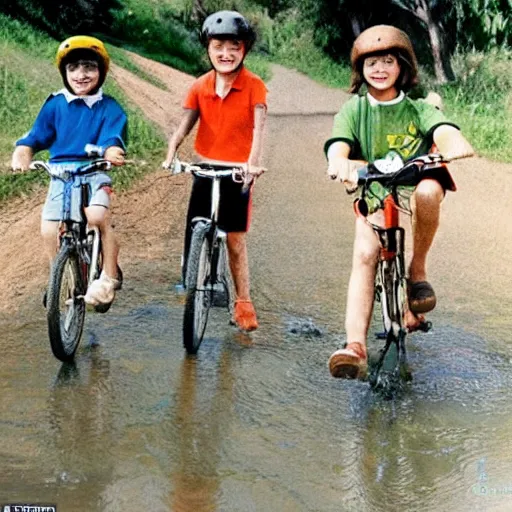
(382,123)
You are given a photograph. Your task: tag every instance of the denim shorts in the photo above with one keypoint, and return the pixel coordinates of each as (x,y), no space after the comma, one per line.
(99,185)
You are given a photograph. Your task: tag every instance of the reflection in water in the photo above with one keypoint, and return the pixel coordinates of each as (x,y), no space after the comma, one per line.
(80,417)
(201,429)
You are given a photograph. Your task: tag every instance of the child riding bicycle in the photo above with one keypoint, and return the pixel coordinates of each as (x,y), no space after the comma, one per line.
(70,119)
(386,124)
(230,103)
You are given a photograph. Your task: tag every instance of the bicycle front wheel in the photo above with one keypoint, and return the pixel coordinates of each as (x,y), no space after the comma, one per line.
(199,289)
(391,291)
(65,311)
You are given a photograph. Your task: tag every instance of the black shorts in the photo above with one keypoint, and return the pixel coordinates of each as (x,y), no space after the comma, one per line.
(234,205)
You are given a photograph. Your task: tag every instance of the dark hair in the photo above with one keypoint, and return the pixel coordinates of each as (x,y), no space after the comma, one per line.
(405,81)
(82,54)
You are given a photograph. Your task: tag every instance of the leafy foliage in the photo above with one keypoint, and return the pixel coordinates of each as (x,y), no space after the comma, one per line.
(60,17)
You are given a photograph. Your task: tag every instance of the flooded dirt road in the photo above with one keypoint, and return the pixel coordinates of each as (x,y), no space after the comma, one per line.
(256,423)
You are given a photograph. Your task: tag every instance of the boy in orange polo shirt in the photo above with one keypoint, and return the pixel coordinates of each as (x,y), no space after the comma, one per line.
(230,103)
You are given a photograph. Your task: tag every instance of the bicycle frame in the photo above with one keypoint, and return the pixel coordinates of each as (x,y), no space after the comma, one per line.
(214,172)
(391,238)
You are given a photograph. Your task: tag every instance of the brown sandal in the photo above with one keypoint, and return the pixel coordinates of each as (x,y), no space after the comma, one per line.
(422,297)
(349,362)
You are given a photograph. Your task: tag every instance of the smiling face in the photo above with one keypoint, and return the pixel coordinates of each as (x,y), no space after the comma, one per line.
(381,73)
(83,76)
(226,55)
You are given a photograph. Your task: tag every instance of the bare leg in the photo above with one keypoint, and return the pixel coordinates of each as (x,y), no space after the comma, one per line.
(102,290)
(350,362)
(361,285)
(49,231)
(245,315)
(239,264)
(426,208)
(100,216)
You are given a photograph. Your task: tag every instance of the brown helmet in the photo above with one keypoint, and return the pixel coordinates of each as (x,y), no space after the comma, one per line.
(381,38)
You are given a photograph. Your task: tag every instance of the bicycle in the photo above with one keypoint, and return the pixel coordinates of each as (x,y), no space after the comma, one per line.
(207,265)
(78,262)
(390,278)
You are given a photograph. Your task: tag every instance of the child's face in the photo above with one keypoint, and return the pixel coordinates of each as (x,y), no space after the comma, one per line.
(381,73)
(226,55)
(83,76)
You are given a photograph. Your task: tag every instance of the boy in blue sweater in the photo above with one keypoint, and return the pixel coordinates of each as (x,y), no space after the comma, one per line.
(78,115)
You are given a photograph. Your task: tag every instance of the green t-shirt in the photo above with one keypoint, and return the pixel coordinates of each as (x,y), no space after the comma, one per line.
(404,126)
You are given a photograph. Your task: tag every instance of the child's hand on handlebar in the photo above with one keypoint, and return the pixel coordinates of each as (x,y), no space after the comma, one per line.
(115,155)
(344,170)
(21,159)
(255,170)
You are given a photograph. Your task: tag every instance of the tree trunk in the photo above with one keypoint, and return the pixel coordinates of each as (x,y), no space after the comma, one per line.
(356,25)
(442,64)
(198,11)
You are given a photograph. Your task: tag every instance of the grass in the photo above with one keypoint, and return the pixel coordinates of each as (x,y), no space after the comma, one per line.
(259,64)
(152,30)
(481,101)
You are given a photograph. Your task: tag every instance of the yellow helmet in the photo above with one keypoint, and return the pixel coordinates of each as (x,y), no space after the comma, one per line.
(83,43)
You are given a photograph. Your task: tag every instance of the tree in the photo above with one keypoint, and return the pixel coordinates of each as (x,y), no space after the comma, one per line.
(484,24)
(61,18)
(428,12)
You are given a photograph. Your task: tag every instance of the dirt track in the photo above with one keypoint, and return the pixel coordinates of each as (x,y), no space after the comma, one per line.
(149,217)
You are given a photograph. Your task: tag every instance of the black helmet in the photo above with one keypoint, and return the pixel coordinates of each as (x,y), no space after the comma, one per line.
(228,25)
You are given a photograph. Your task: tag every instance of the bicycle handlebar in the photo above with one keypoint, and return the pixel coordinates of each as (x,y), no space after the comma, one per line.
(210,170)
(89,168)
(410,174)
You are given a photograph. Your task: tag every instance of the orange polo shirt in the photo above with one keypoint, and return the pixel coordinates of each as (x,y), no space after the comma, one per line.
(226,124)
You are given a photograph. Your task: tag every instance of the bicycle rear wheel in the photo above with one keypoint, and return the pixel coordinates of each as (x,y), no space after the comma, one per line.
(199,288)
(65,312)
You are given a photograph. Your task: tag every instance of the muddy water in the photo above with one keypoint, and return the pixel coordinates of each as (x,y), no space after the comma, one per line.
(256,423)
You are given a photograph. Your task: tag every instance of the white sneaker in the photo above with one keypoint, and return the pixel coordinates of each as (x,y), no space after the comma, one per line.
(101,291)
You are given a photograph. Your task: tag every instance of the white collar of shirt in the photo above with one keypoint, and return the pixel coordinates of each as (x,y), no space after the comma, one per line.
(88,100)
(373,102)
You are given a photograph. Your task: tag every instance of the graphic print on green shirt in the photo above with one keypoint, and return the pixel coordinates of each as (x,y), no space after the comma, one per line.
(405,144)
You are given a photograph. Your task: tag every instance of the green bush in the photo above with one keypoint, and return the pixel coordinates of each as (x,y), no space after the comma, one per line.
(62,18)
(481,101)
(153,31)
